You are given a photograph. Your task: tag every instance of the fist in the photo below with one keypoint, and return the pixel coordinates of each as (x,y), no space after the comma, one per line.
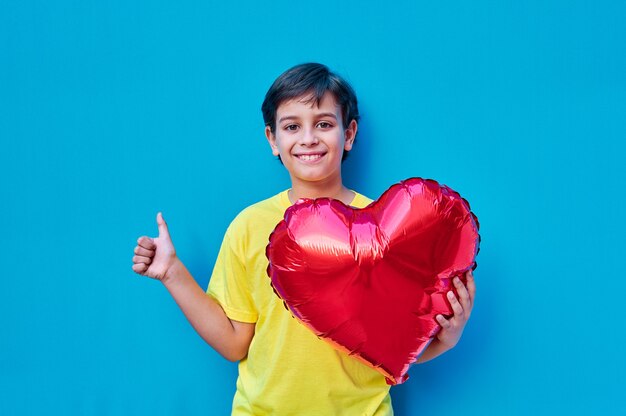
(154,256)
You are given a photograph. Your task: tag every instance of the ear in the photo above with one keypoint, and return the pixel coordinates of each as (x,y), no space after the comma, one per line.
(350,135)
(271,139)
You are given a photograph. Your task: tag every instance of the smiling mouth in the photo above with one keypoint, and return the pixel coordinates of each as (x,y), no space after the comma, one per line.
(310,157)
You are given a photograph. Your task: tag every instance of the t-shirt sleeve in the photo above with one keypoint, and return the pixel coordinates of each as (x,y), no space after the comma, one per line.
(229,283)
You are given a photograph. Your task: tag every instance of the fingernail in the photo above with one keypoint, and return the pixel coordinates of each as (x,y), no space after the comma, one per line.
(450,294)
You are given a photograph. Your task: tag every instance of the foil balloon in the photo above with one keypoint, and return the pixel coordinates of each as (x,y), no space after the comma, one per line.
(370,281)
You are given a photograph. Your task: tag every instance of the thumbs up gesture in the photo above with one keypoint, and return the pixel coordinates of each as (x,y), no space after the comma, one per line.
(155,256)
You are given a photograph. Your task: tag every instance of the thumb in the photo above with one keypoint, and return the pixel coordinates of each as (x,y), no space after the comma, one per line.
(163,231)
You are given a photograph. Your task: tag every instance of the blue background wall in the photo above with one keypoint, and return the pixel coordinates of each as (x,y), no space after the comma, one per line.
(111,112)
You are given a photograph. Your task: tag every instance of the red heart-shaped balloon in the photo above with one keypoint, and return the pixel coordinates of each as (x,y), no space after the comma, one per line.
(370,281)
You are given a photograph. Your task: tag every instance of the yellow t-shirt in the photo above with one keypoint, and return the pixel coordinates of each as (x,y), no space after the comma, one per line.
(288,370)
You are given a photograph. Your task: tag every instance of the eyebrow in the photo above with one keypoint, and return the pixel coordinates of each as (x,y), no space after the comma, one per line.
(320,115)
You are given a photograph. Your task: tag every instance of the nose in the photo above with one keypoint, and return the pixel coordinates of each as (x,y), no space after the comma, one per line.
(308,138)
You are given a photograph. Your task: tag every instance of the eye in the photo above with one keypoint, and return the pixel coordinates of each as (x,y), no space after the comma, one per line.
(324,125)
(291,127)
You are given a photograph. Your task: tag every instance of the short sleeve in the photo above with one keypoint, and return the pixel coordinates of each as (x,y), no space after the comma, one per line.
(229,283)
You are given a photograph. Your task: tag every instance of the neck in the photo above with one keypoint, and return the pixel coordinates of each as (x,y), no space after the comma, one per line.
(314,190)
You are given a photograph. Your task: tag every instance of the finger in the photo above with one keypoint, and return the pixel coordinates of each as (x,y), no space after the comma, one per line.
(471,286)
(163,231)
(445,324)
(456,306)
(144,252)
(142,259)
(461,290)
(146,242)
(140,268)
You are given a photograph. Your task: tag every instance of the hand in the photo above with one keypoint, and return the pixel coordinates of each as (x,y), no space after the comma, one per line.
(451,329)
(155,256)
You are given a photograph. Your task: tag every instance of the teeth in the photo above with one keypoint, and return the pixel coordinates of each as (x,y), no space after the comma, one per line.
(309,157)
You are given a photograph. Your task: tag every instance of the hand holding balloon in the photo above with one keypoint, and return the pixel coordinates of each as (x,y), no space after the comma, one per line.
(452,328)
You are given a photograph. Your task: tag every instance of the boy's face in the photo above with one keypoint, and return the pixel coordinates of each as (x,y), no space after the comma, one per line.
(310,139)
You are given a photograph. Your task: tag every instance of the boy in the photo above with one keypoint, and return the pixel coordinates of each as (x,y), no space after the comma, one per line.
(311,118)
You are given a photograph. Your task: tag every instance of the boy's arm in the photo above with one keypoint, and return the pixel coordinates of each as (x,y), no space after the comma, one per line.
(452,329)
(156,258)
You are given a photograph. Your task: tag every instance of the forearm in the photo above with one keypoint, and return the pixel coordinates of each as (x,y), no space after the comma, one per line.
(205,315)
(434,349)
